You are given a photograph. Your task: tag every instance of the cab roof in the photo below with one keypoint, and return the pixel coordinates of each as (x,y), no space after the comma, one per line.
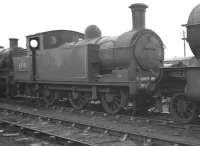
(56,31)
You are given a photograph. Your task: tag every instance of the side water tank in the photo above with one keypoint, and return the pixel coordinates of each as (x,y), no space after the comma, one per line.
(193,31)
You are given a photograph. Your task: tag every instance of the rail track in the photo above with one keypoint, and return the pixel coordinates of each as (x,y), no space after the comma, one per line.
(97,128)
(11,135)
(63,132)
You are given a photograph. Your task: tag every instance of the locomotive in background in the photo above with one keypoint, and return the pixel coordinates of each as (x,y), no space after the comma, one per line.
(182,81)
(6,66)
(120,72)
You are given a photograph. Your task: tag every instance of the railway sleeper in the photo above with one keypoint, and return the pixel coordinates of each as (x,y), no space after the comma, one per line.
(122,135)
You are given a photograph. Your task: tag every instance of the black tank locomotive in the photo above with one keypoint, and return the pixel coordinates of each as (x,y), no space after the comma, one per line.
(119,71)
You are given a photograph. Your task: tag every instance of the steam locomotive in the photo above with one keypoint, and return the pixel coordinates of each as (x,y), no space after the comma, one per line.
(119,72)
(182,82)
(122,72)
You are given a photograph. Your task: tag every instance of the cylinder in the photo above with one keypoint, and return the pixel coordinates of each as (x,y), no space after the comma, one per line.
(138,16)
(13,42)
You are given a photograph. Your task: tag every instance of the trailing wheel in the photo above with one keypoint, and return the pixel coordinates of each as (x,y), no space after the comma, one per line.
(182,109)
(79,100)
(113,102)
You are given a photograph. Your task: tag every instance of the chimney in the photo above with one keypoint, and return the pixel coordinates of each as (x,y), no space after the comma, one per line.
(13,42)
(138,16)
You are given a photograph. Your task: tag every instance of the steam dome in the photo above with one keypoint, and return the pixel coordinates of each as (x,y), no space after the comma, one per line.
(92,31)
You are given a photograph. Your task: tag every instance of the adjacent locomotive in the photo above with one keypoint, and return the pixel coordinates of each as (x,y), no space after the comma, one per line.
(6,66)
(120,72)
(182,82)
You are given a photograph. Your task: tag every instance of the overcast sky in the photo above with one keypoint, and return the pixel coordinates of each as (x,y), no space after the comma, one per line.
(23,17)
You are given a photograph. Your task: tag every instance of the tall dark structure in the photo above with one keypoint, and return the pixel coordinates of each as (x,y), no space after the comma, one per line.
(138,15)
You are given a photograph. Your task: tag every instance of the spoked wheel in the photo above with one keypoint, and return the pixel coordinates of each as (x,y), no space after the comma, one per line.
(49,97)
(79,99)
(182,109)
(113,102)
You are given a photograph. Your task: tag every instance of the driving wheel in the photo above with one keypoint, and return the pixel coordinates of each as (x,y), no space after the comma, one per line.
(79,100)
(49,97)
(182,109)
(113,102)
